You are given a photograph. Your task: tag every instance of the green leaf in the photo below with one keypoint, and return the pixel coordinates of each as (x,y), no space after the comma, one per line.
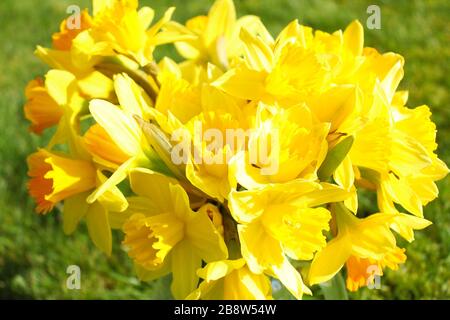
(334,158)
(334,289)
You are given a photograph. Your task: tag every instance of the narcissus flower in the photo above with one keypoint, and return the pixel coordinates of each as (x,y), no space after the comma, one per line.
(118,27)
(284,144)
(362,271)
(214,38)
(283,220)
(167,236)
(231,280)
(242,163)
(129,142)
(55,178)
(41,109)
(369,238)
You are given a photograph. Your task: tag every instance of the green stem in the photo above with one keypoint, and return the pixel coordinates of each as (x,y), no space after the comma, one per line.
(117,65)
(334,289)
(231,236)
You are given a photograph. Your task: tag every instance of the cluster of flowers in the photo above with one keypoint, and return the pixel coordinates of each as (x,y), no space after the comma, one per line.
(321,107)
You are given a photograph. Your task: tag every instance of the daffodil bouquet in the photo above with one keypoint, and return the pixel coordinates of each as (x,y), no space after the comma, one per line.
(241,163)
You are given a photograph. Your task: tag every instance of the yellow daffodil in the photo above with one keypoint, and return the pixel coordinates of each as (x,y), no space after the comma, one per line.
(283,219)
(367,238)
(207,166)
(413,165)
(167,236)
(285,71)
(178,100)
(214,38)
(91,83)
(126,134)
(54,178)
(285,144)
(231,280)
(186,91)
(362,271)
(119,27)
(41,109)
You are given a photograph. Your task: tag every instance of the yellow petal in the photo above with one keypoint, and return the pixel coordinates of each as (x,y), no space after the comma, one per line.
(401,192)
(258,55)
(344,174)
(103,149)
(255,26)
(122,129)
(354,38)
(99,5)
(75,208)
(215,270)
(153,186)
(327,193)
(185,263)
(131,97)
(98,227)
(205,238)
(96,85)
(242,284)
(243,83)
(146,15)
(329,261)
(221,18)
(118,176)
(113,199)
(243,206)
(290,278)
(41,109)
(148,275)
(405,224)
(298,229)
(259,249)
(60,84)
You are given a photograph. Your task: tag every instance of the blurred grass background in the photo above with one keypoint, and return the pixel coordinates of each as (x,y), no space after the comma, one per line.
(34,252)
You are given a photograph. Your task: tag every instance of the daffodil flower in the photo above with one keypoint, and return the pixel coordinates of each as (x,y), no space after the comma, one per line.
(231,280)
(117,26)
(41,109)
(283,219)
(281,70)
(167,236)
(285,144)
(214,38)
(367,238)
(362,271)
(56,178)
(126,134)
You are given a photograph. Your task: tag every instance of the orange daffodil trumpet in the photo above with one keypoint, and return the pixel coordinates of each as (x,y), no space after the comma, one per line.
(241,164)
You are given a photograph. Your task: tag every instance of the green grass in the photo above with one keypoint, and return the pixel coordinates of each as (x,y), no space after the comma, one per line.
(34,252)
